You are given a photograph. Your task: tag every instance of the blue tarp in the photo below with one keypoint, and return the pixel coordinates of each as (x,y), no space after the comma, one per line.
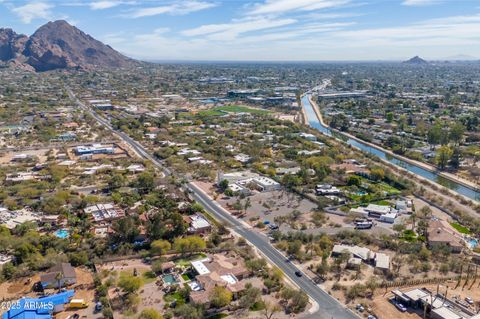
(37,308)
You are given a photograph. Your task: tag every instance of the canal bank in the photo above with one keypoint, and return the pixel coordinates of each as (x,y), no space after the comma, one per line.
(456,186)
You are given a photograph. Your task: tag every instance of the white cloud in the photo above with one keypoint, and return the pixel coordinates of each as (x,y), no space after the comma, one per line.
(230,31)
(100,5)
(434,38)
(286,6)
(419,3)
(178,8)
(34,10)
(107,4)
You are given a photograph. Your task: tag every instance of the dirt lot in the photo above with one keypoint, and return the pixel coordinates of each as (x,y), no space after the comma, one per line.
(41,154)
(150,294)
(125,265)
(15,289)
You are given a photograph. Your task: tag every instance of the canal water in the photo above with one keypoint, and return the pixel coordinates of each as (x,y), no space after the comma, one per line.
(432,176)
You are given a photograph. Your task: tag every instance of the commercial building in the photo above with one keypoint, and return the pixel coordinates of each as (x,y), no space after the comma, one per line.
(249,180)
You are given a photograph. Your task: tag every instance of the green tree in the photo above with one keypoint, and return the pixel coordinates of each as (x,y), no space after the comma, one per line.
(456,133)
(129,283)
(160,247)
(187,311)
(189,244)
(150,313)
(250,296)
(377,174)
(389,116)
(145,183)
(354,180)
(223,185)
(116,181)
(444,153)
(78,258)
(247,204)
(220,297)
(434,135)
(157,266)
(340,121)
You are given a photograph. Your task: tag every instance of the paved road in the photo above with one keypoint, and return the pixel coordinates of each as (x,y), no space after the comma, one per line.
(328,307)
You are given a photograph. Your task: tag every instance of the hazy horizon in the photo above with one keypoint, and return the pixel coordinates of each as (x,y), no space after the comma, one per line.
(265,30)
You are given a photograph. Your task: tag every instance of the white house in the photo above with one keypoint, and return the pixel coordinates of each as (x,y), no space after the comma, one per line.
(242,158)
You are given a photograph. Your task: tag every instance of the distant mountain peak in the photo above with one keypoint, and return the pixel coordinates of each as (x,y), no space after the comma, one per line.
(58,45)
(416,60)
(461,57)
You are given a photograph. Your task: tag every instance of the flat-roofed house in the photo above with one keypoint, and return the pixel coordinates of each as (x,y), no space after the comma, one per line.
(198,224)
(356,251)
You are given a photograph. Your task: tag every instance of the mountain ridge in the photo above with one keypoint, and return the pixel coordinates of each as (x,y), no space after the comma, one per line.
(416,60)
(58,45)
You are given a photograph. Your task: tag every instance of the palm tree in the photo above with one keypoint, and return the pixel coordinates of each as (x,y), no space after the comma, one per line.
(59,276)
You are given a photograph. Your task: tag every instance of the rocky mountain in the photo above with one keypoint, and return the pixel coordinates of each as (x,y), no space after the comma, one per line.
(58,45)
(11,44)
(416,60)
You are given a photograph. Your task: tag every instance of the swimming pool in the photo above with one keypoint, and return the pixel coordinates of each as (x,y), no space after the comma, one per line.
(169,279)
(62,233)
(472,243)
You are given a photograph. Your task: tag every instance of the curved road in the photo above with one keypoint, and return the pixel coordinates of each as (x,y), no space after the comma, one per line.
(328,307)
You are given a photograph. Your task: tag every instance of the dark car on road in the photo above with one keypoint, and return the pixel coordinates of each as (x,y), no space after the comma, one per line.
(298,273)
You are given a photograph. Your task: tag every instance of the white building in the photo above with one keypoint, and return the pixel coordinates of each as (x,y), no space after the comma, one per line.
(198,224)
(388,218)
(242,158)
(187,151)
(377,210)
(327,190)
(104,212)
(308,136)
(247,179)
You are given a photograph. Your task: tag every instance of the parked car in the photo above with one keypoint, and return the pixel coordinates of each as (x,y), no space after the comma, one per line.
(360,308)
(400,307)
(371,317)
(469,300)
(98,306)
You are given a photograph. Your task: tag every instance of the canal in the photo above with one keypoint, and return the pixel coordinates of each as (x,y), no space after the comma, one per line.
(432,176)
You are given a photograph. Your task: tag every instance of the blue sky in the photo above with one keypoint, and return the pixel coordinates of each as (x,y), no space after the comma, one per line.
(264,29)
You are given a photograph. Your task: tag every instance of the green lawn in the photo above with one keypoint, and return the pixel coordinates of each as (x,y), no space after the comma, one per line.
(187,260)
(461,229)
(185,277)
(221,110)
(382,203)
(409,236)
(176,296)
(149,277)
(388,188)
